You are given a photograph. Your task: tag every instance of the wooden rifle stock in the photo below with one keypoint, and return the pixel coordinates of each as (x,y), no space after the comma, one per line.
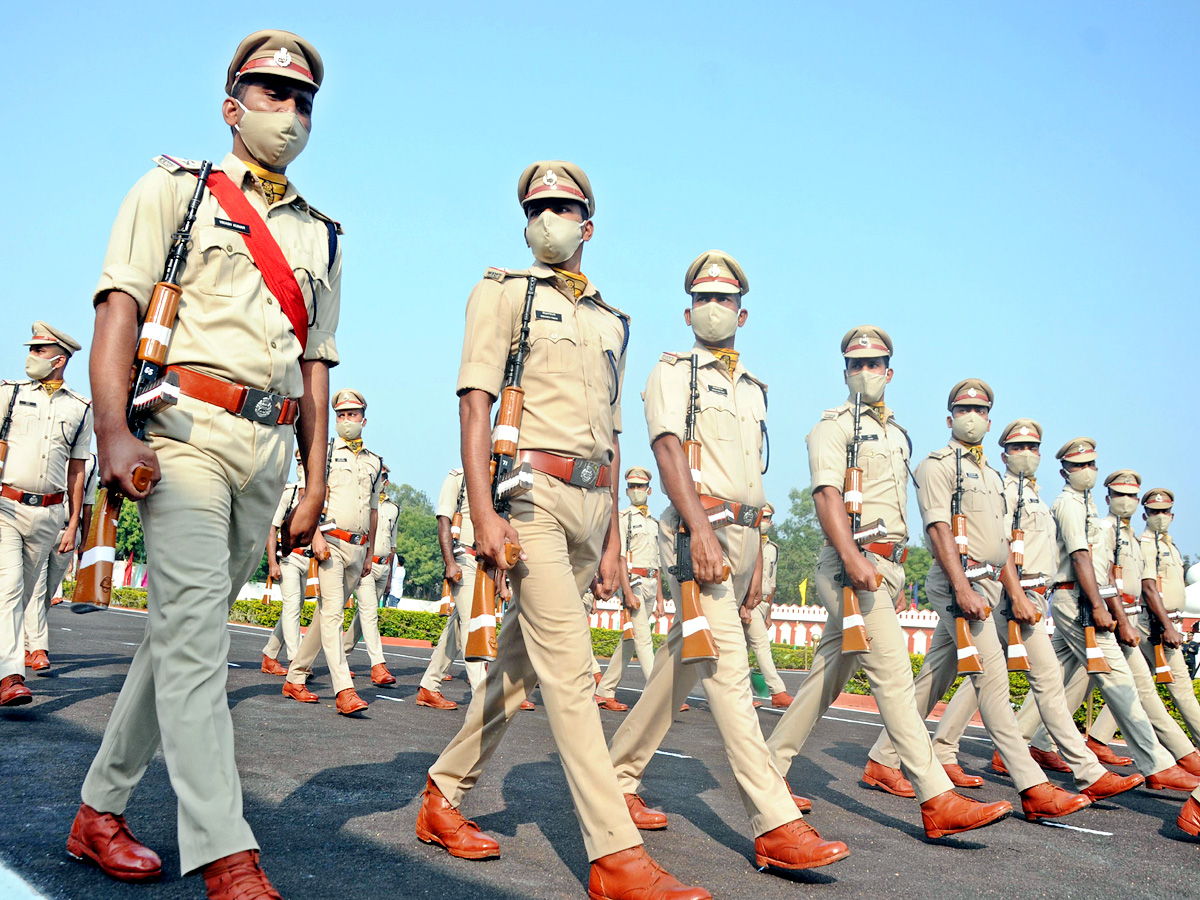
(626,625)
(267,591)
(447,603)
(1018,656)
(969,661)
(854,627)
(312,582)
(93,586)
(481,643)
(1095,663)
(1162,671)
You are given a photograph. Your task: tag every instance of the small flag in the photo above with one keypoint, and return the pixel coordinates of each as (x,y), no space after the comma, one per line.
(804,592)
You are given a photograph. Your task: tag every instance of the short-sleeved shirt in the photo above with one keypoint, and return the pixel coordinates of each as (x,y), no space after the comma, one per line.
(983,501)
(1164,562)
(451,495)
(1041,548)
(292,492)
(91,480)
(770,554)
(883,456)
(575,366)
(229,325)
(385,528)
(353,487)
(639,532)
(730,426)
(1077,528)
(1131,555)
(47,431)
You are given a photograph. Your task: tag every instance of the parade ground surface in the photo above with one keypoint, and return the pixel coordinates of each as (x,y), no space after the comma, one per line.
(333,800)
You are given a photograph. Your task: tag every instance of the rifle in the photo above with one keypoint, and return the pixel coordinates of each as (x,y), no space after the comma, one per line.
(508,481)
(626,621)
(969,662)
(149,391)
(447,604)
(698,642)
(1162,671)
(7,424)
(1018,656)
(1096,663)
(854,629)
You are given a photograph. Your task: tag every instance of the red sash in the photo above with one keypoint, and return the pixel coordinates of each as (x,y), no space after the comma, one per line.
(271,263)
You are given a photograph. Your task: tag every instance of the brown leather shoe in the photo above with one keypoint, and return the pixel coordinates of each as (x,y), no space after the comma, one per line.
(952,813)
(13,691)
(28,659)
(961,779)
(348,702)
(633,875)
(802,803)
(1172,779)
(1105,755)
(272,666)
(1190,763)
(1049,760)
(757,704)
(782,700)
(597,676)
(447,678)
(526,705)
(39,661)
(238,876)
(1189,817)
(887,779)
(683,707)
(796,845)
(434,700)
(1110,784)
(105,841)
(613,704)
(998,764)
(299,692)
(440,823)
(381,677)
(1045,801)
(645,818)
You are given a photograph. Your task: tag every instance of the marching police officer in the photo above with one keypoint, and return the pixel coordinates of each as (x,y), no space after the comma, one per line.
(374,588)
(757,621)
(291,574)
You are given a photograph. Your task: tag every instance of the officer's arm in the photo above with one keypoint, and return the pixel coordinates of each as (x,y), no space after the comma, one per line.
(312,432)
(475,422)
(941,541)
(1085,577)
(754,591)
(609,576)
(1172,637)
(75,478)
(677,482)
(445,542)
(367,563)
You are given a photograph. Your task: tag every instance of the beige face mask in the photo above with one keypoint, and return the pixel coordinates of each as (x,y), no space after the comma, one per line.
(869,384)
(552,238)
(1122,506)
(349,429)
(637,496)
(38,367)
(273,138)
(713,322)
(1023,462)
(969,428)
(1159,522)
(1082,479)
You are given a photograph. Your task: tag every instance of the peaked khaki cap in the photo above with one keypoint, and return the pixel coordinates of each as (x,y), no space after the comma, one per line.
(637,475)
(1021,431)
(970,392)
(1158,498)
(46,334)
(551,178)
(1124,481)
(349,399)
(715,272)
(1077,450)
(866,340)
(768,510)
(278,53)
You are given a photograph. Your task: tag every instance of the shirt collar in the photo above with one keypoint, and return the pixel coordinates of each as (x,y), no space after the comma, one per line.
(238,173)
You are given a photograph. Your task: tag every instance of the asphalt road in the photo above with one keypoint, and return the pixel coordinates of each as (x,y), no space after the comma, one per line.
(333,800)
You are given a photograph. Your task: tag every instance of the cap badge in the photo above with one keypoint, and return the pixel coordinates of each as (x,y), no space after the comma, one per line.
(282,58)
(714,270)
(1157,498)
(1024,430)
(550,179)
(864,341)
(971,392)
(1080,448)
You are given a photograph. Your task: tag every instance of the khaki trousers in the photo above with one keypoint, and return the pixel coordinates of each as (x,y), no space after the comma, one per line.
(1046,686)
(293,578)
(205,526)
(759,640)
(941,668)
(726,683)
(448,645)
(339,576)
(27,536)
(546,637)
(37,610)
(642,644)
(365,623)
(1119,687)
(1182,690)
(887,665)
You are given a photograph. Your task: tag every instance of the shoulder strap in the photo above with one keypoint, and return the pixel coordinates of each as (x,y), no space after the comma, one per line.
(332,244)
(274,267)
(82,419)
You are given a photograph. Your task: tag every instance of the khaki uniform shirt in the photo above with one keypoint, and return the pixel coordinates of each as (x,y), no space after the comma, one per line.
(770,554)
(91,481)
(353,487)
(982,501)
(1041,548)
(47,431)
(385,528)
(1131,555)
(229,325)
(730,425)
(1077,527)
(640,534)
(448,503)
(574,369)
(1165,563)
(292,492)
(883,457)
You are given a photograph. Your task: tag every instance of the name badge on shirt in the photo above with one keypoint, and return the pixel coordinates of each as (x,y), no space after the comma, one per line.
(971,474)
(547,316)
(231,225)
(718,390)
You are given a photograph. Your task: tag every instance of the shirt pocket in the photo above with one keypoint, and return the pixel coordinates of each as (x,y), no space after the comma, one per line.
(717,418)
(312,275)
(223,259)
(24,419)
(553,348)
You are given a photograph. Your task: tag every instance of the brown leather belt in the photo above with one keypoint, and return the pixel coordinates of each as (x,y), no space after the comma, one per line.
(347,536)
(380,559)
(29,498)
(730,512)
(1065,586)
(247,402)
(470,551)
(644,573)
(1040,589)
(579,472)
(888,551)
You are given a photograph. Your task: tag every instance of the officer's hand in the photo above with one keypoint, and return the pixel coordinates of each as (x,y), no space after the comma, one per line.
(1172,636)
(274,570)
(707,562)
(491,534)
(753,597)
(973,606)
(320,547)
(1128,635)
(660,610)
(1103,619)
(633,603)
(503,588)
(453,572)
(119,456)
(366,569)
(608,578)
(744,614)
(1023,610)
(67,544)
(862,573)
(301,526)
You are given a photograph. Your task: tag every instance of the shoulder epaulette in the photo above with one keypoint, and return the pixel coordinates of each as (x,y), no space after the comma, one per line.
(942,454)
(456,472)
(673,358)
(317,214)
(1105,523)
(496,274)
(17,381)
(82,399)
(177,163)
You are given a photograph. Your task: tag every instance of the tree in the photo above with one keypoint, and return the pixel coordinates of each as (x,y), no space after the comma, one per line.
(916,568)
(416,541)
(406,496)
(800,539)
(130,540)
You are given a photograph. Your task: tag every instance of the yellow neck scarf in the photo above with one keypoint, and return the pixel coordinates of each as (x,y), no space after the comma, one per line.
(575,282)
(976,451)
(643,509)
(355,445)
(51,386)
(273,184)
(729,358)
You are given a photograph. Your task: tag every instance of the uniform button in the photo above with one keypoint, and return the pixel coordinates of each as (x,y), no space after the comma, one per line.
(229,247)
(272,345)
(270,301)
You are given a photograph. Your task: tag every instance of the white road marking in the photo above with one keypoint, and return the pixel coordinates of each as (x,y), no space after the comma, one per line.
(232,665)
(14,887)
(64,629)
(669,753)
(393,699)
(1077,828)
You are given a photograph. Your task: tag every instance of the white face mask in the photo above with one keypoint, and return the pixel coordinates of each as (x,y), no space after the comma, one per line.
(552,238)
(273,138)
(637,496)
(969,427)
(38,367)
(869,384)
(1023,462)
(764,526)
(349,429)
(1082,479)
(1159,522)
(1122,506)
(713,322)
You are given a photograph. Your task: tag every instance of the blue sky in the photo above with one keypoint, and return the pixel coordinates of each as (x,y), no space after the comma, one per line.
(1009,190)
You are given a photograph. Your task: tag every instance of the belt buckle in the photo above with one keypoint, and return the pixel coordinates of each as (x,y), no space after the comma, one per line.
(748,516)
(32,499)
(899,551)
(260,406)
(584,473)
